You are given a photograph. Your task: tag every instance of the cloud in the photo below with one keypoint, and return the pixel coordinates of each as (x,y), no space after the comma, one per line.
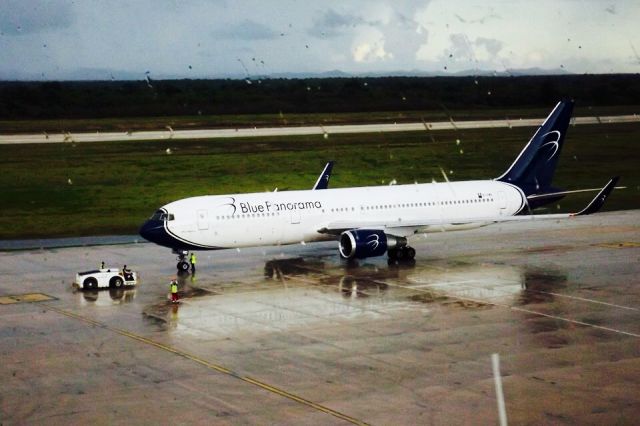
(334,24)
(247,30)
(204,38)
(369,46)
(492,45)
(370,52)
(21,17)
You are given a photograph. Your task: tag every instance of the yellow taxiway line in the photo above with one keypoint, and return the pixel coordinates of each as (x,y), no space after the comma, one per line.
(210,365)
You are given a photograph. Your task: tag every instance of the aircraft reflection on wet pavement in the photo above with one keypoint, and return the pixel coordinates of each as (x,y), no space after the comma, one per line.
(298,292)
(115,296)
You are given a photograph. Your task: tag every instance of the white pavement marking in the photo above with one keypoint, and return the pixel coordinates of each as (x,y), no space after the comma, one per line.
(583,299)
(293,131)
(495,360)
(513,308)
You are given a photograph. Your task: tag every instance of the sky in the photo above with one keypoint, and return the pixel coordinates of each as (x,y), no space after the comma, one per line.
(115,39)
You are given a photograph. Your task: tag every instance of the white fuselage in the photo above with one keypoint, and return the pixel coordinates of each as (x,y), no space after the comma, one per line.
(241,220)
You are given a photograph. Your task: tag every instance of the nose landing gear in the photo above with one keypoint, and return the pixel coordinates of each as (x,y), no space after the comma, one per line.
(183,265)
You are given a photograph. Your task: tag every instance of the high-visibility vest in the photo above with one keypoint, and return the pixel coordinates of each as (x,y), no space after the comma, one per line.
(193,258)
(174,288)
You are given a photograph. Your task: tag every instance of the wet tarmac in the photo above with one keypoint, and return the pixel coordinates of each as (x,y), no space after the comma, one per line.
(294,335)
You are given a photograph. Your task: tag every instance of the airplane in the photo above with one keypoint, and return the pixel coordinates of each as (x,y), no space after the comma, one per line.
(373,220)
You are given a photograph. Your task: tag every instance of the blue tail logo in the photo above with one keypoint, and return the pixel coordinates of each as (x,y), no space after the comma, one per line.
(534,168)
(553,146)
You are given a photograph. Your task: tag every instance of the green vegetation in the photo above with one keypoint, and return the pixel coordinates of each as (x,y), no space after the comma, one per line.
(280,98)
(126,124)
(110,188)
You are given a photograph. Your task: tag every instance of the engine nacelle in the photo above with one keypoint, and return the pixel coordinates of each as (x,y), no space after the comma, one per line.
(362,243)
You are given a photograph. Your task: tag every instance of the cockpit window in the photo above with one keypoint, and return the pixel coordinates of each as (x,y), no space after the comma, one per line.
(159,215)
(162,216)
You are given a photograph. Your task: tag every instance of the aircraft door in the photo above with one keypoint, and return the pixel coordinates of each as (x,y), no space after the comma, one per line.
(203,220)
(502,201)
(295,216)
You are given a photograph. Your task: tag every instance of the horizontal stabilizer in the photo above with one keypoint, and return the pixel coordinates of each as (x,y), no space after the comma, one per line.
(597,203)
(554,195)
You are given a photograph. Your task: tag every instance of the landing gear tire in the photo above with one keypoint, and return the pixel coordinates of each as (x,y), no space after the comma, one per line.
(183,266)
(411,253)
(402,254)
(393,254)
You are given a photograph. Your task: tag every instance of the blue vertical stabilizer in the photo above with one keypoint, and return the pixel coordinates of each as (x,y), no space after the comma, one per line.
(534,168)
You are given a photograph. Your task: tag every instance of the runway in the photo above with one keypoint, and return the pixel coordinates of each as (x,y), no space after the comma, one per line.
(295,131)
(293,335)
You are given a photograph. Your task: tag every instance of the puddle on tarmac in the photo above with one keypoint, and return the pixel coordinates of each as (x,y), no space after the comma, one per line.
(105,297)
(298,292)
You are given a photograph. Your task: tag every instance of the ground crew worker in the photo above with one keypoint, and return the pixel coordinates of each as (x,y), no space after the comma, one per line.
(102,265)
(174,291)
(192,260)
(126,273)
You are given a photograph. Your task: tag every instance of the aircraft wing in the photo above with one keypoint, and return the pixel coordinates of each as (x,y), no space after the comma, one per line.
(406,228)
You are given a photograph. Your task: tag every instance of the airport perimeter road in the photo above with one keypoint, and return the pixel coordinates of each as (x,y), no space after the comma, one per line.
(293,335)
(296,131)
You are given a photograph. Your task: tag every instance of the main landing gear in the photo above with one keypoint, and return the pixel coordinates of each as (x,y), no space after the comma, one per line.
(402,253)
(183,265)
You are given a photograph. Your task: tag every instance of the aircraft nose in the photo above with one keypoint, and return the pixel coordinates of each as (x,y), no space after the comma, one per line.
(153,230)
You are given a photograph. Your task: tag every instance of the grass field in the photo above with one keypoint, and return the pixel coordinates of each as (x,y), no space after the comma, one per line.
(111,188)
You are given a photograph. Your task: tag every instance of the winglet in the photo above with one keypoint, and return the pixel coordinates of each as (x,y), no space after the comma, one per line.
(597,203)
(323,179)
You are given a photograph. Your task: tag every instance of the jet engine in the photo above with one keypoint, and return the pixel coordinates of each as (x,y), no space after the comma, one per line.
(361,243)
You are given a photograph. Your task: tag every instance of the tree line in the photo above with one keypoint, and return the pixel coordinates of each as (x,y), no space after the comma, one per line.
(149,98)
